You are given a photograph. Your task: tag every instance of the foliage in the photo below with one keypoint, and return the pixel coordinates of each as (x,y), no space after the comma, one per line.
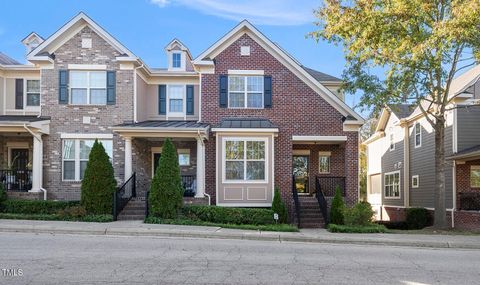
(417,218)
(278,206)
(35,206)
(373,228)
(166,191)
(224,215)
(73,212)
(359,215)
(3,196)
(419,45)
(398,225)
(56,217)
(98,184)
(338,206)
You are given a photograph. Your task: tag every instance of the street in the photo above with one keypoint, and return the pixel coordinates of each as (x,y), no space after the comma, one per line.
(85,259)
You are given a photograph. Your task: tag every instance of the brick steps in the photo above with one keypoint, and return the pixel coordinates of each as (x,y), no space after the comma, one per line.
(134,210)
(310,214)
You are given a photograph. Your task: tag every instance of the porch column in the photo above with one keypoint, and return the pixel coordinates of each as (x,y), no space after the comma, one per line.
(37,167)
(200,168)
(128,158)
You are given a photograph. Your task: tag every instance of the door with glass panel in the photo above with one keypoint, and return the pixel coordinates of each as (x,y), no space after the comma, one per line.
(300,173)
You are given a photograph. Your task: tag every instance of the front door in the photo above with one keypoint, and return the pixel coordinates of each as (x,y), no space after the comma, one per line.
(19,158)
(300,173)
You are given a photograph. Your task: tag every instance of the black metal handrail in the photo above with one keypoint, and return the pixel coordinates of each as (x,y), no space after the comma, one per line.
(296,201)
(16,179)
(147,210)
(189,184)
(329,184)
(469,201)
(322,202)
(124,193)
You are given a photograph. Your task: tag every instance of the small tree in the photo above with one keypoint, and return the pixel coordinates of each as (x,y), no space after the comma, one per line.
(3,196)
(338,206)
(98,184)
(166,191)
(278,206)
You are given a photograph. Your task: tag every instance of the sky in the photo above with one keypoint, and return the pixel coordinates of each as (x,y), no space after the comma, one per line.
(146,26)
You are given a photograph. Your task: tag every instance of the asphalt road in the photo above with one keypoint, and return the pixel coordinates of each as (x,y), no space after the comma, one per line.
(82,259)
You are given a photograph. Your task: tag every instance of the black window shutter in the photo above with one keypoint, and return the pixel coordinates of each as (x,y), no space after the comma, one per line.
(63,87)
(18,93)
(223,87)
(162,99)
(267,92)
(111,84)
(190,102)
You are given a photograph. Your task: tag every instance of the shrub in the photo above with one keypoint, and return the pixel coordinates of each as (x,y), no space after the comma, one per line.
(373,228)
(394,225)
(56,217)
(278,206)
(338,206)
(417,218)
(166,191)
(73,212)
(359,215)
(3,196)
(36,206)
(223,215)
(98,184)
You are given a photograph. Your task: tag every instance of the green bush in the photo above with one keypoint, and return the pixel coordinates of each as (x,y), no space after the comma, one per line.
(98,184)
(73,212)
(373,228)
(278,206)
(359,215)
(224,215)
(56,217)
(338,206)
(418,218)
(36,206)
(166,191)
(3,196)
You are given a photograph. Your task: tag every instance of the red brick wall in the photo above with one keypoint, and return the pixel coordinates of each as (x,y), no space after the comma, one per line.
(467,220)
(463,179)
(297,110)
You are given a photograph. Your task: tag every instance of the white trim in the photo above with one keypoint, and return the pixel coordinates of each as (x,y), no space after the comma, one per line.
(320,138)
(301,152)
(399,185)
(246,92)
(245,72)
(416,125)
(245,130)
(325,154)
(182,114)
(418,181)
(85,136)
(260,205)
(87,66)
(87,87)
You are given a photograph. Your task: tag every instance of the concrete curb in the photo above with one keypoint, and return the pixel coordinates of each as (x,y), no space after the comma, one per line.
(235,235)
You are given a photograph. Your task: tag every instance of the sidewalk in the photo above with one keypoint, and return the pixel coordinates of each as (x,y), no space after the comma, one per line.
(138,228)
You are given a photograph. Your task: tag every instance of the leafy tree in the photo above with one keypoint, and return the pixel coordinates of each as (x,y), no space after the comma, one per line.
(338,206)
(98,184)
(278,206)
(419,45)
(166,191)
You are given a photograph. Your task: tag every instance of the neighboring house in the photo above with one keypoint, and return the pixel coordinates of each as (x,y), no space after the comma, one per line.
(244,115)
(401,156)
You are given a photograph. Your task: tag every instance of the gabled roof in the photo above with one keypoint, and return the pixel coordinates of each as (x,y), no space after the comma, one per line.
(6,60)
(176,41)
(245,27)
(70,29)
(322,77)
(402,110)
(32,34)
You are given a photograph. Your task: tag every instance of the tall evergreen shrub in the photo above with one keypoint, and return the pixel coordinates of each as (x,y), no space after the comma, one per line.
(278,206)
(338,206)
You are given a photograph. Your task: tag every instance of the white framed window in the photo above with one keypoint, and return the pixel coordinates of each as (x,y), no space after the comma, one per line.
(88,87)
(324,162)
(245,160)
(245,92)
(475,176)
(415,181)
(33,93)
(392,184)
(183,157)
(176,100)
(392,140)
(418,135)
(75,155)
(176,60)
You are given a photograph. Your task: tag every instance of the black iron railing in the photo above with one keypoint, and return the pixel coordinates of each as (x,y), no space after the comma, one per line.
(469,201)
(124,193)
(189,184)
(147,210)
(16,180)
(329,184)
(322,202)
(296,201)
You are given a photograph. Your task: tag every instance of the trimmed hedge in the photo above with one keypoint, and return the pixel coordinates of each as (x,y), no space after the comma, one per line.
(37,207)
(373,228)
(56,217)
(418,218)
(224,215)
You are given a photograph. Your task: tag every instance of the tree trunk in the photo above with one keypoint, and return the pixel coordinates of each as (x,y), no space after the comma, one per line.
(440,220)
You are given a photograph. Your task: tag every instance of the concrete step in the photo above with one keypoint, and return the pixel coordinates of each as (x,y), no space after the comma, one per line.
(311,225)
(130,217)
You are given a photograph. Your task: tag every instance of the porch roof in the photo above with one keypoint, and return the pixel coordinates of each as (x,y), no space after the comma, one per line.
(245,125)
(466,154)
(163,129)
(17,123)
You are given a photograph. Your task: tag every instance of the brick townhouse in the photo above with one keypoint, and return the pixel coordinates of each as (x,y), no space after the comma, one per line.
(244,115)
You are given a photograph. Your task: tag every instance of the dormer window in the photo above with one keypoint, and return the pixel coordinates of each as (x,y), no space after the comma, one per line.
(176,60)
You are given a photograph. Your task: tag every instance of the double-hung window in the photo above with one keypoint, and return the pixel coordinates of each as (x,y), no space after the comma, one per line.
(475,176)
(88,87)
(176,60)
(324,162)
(176,99)
(245,92)
(392,184)
(75,156)
(33,93)
(418,134)
(245,159)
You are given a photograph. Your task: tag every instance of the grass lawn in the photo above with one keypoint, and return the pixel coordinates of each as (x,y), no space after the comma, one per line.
(432,231)
(184,221)
(373,228)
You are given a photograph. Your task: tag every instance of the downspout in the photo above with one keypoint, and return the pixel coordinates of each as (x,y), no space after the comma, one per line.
(203,164)
(39,139)
(135,92)
(406,164)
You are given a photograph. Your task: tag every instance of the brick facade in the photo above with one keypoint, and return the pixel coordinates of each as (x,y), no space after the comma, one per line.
(467,220)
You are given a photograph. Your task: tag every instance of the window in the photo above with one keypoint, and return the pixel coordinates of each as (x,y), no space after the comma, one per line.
(392,185)
(245,159)
(75,156)
(88,87)
(33,92)
(245,92)
(415,181)
(175,99)
(475,176)
(324,162)
(183,157)
(392,141)
(176,60)
(418,134)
